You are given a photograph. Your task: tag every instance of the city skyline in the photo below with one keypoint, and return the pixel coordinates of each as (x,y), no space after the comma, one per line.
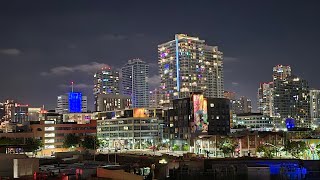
(45,59)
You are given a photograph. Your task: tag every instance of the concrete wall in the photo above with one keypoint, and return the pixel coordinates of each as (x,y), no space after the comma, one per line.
(6,163)
(25,167)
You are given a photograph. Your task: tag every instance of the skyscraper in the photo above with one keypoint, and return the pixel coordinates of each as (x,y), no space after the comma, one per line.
(315,107)
(291,100)
(135,82)
(186,65)
(106,81)
(265,99)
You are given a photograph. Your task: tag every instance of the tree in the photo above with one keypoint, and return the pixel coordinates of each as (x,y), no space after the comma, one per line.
(296,148)
(268,151)
(318,150)
(228,146)
(175,147)
(71,140)
(185,147)
(33,144)
(90,142)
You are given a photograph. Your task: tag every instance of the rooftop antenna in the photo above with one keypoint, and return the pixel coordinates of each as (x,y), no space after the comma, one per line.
(71,86)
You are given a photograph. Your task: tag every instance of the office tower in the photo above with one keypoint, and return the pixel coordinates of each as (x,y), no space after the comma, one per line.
(111,102)
(155,98)
(281,72)
(186,65)
(229,95)
(73,102)
(265,99)
(135,82)
(106,81)
(315,107)
(245,104)
(291,100)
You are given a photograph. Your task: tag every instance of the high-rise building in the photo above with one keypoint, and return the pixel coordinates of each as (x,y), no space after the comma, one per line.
(287,96)
(246,104)
(73,102)
(135,82)
(315,107)
(106,81)
(155,98)
(187,64)
(265,99)
(281,72)
(291,100)
(112,102)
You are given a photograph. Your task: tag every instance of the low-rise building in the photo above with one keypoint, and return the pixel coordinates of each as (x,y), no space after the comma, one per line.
(137,128)
(253,121)
(52,133)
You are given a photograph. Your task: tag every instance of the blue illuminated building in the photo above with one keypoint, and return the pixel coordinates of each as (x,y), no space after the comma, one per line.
(75,102)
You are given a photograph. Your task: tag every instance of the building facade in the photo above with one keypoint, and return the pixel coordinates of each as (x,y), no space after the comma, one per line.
(196,116)
(155,98)
(106,81)
(53,133)
(315,107)
(137,128)
(187,64)
(34,114)
(111,102)
(253,121)
(73,102)
(246,104)
(291,100)
(135,82)
(265,99)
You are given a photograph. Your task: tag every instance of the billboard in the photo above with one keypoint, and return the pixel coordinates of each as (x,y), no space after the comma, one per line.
(200,114)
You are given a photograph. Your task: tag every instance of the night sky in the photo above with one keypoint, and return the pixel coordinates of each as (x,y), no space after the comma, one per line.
(44,45)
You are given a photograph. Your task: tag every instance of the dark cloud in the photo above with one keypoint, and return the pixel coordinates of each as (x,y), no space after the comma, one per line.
(82,68)
(113,37)
(10,52)
(80,86)
(230,59)
(154,81)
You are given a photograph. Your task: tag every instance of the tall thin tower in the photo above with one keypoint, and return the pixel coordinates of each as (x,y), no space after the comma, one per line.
(135,82)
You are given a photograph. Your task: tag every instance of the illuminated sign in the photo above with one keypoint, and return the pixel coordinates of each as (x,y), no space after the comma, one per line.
(140,113)
(200,113)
